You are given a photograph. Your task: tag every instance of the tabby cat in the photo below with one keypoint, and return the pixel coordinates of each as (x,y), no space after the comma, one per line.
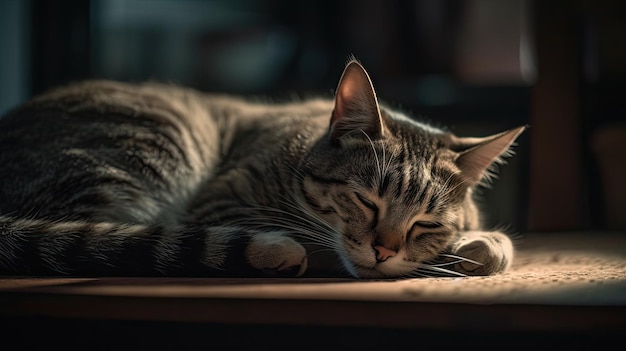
(112,178)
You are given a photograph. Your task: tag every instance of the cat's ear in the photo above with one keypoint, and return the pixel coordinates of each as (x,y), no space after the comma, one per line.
(479,154)
(356,107)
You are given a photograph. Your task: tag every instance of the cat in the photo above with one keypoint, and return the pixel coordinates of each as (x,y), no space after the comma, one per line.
(112,178)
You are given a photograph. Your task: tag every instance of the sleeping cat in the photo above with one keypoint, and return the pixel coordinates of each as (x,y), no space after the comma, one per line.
(110,178)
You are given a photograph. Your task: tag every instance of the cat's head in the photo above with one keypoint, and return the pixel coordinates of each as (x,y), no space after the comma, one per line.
(395,191)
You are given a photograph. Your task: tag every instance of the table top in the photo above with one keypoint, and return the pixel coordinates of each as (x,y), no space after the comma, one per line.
(559,281)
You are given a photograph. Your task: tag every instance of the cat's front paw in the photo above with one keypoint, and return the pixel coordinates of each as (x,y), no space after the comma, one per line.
(492,250)
(275,254)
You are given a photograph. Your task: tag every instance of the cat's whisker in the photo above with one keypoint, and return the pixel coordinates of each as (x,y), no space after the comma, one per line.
(320,225)
(320,250)
(446,189)
(419,274)
(465,259)
(388,165)
(314,218)
(317,237)
(301,222)
(445,263)
(285,224)
(442,270)
(297,229)
(316,240)
(383,161)
(295,172)
(296,203)
(325,246)
(378,164)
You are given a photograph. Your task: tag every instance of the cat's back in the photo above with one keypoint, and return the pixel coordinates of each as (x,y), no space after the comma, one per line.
(96,101)
(108,139)
(150,144)
(102,116)
(102,99)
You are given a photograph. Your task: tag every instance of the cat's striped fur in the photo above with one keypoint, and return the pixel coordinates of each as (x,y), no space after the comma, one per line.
(109,178)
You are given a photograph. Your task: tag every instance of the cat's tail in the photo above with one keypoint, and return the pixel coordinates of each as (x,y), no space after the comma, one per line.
(43,247)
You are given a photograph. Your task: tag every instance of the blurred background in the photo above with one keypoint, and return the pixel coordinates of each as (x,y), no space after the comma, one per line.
(477,66)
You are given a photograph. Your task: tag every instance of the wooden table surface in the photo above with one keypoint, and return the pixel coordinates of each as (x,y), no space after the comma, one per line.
(560,281)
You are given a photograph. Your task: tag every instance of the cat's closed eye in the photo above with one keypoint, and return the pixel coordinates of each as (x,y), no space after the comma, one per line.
(428,224)
(366,202)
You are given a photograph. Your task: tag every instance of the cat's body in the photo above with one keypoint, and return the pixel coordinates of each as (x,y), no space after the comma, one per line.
(103,178)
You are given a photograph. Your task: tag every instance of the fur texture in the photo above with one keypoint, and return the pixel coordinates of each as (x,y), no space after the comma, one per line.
(109,178)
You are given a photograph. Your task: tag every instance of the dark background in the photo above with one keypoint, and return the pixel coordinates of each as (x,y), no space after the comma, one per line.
(478,66)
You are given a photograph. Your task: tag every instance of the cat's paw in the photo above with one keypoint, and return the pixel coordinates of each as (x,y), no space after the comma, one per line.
(275,254)
(493,250)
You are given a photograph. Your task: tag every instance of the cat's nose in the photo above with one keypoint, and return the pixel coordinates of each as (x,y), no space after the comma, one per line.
(383,253)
